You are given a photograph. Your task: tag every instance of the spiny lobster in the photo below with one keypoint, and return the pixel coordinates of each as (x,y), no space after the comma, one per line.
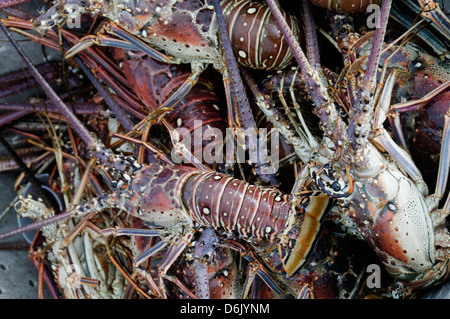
(360,158)
(377,198)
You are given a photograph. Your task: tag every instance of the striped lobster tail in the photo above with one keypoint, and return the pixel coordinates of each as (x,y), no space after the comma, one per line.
(256,213)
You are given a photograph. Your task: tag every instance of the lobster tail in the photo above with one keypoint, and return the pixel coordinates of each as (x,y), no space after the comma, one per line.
(306,223)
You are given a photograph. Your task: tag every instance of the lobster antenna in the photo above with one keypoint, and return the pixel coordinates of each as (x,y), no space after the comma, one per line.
(241,102)
(325,109)
(123,118)
(361,119)
(37,225)
(311,35)
(73,120)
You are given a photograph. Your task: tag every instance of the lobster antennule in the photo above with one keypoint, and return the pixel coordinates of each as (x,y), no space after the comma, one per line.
(307,225)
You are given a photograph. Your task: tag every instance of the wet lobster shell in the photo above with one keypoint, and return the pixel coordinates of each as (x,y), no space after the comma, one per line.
(256,39)
(154,82)
(347,6)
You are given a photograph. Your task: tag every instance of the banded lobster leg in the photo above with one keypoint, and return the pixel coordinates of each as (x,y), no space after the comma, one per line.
(254,268)
(130,42)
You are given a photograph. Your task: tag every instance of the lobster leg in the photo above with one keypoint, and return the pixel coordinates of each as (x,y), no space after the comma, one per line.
(256,268)
(418,104)
(433,42)
(306,292)
(384,139)
(409,106)
(303,132)
(202,252)
(129,42)
(171,255)
(432,11)
(444,158)
(117,231)
(302,148)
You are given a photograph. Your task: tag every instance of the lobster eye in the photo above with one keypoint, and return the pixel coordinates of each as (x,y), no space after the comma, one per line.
(336,186)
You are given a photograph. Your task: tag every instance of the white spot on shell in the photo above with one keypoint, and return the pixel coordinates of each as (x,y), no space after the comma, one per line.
(217,177)
(205,210)
(242,54)
(251,10)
